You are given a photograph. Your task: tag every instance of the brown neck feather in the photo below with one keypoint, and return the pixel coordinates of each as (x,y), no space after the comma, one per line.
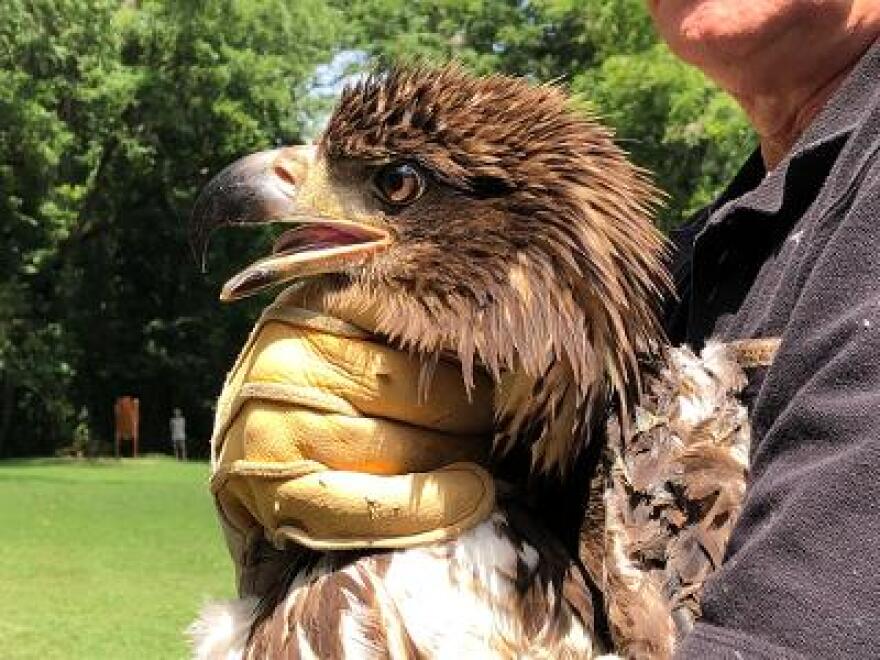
(559,348)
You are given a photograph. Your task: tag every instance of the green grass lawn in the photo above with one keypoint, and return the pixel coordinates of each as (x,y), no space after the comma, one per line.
(105,560)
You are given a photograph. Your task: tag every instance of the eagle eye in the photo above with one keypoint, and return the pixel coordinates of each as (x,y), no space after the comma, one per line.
(400,183)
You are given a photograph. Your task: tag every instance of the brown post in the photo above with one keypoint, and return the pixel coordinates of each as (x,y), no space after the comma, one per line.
(127,414)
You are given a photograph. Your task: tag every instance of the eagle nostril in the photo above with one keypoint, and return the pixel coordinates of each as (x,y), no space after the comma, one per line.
(290,169)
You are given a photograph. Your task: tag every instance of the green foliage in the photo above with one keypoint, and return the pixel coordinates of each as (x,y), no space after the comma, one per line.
(684,130)
(523,38)
(113,113)
(52,58)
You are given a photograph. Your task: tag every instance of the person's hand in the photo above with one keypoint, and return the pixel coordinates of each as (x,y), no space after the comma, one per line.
(322,438)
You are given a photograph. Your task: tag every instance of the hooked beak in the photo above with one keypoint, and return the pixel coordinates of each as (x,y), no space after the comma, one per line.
(268,187)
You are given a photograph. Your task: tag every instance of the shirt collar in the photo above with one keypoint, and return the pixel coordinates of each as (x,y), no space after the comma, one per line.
(763,192)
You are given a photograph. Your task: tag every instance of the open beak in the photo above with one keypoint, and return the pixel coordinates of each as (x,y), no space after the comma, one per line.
(267,187)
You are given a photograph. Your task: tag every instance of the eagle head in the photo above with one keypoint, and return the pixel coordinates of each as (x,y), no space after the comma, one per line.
(487,217)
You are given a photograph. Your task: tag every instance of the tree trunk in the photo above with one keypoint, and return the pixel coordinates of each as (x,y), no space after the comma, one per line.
(7,406)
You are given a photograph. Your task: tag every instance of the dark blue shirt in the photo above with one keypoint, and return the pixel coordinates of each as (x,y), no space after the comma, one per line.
(795,253)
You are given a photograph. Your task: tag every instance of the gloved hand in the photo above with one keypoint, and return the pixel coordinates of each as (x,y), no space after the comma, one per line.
(321,438)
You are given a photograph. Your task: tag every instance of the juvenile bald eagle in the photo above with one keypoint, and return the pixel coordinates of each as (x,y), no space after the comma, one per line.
(488,218)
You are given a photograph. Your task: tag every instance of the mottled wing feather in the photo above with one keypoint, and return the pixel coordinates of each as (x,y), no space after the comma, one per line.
(673,491)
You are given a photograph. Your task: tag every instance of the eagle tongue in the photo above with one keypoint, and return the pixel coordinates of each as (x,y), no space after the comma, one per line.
(311,237)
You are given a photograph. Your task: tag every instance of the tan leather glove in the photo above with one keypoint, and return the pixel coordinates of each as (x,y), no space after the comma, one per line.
(321,438)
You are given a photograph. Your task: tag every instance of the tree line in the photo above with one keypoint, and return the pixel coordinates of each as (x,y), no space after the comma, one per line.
(114,113)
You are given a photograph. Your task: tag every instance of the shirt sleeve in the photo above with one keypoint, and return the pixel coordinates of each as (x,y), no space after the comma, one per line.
(802,573)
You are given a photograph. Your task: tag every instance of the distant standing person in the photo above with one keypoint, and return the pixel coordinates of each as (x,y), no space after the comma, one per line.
(178,435)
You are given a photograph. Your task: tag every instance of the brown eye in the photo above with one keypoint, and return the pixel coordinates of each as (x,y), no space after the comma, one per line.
(400,183)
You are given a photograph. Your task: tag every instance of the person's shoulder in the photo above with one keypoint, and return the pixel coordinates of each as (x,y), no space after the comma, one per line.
(866,190)
(868,183)
(857,174)
(855,204)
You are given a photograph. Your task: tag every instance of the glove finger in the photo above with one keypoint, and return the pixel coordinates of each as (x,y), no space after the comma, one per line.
(338,510)
(374,378)
(270,431)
